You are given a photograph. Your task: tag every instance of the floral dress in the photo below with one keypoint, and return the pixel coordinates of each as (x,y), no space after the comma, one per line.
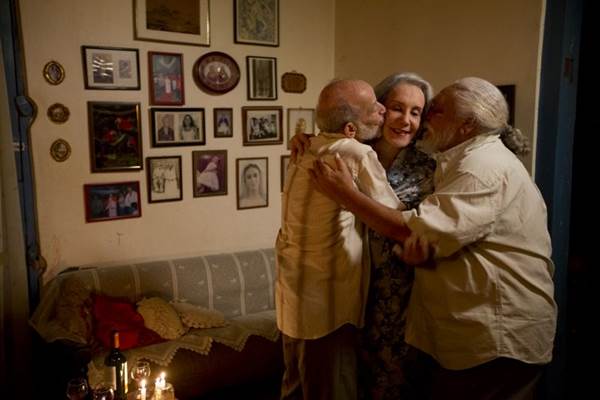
(383,350)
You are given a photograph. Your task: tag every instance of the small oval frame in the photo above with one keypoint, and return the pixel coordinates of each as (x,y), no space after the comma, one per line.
(54,73)
(60,150)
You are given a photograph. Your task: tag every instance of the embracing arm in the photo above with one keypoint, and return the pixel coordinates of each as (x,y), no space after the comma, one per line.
(337,184)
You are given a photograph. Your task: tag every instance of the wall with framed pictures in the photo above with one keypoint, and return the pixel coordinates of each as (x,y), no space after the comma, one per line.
(147,70)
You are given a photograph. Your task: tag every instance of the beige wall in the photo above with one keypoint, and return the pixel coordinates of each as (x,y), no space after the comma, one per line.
(497,40)
(55,30)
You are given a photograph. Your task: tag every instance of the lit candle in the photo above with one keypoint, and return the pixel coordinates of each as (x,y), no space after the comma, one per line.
(143,390)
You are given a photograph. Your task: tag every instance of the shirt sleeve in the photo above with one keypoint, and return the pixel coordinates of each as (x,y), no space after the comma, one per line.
(456,215)
(373,182)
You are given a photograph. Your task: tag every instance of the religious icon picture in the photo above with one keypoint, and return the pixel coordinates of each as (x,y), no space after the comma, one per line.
(252,182)
(166,78)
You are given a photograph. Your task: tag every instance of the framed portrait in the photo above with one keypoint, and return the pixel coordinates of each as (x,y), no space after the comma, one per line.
(252,182)
(54,73)
(285,161)
(165,73)
(112,68)
(164,179)
(216,73)
(508,91)
(210,172)
(177,126)
(262,125)
(262,78)
(300,120)
(60,150)
(223,122)
(183,21)
(108,201)
(257,22)
(115,138)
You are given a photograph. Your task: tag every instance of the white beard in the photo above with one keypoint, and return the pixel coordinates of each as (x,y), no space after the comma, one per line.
(366,132)
(436,141)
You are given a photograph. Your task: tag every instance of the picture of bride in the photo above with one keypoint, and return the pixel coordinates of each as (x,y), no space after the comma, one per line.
(210,172)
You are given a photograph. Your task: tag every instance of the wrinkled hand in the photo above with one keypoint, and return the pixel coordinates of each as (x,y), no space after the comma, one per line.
(418,251)
(337,184)
(299,143)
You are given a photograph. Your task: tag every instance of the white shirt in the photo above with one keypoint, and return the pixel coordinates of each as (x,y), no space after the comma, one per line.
(491,292)
(322,268)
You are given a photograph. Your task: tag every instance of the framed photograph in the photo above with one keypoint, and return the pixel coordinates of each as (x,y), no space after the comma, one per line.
(115,138)
(210,172)
(262,125)
(113,68)
(300,120)
(107,201)
(223,122)
(257,22)
(177,127)
(262,78)
(60,150)
(165,73)
(285,161)
(216,73)
(252,182)
(185,22)
(164,179)
(54,73)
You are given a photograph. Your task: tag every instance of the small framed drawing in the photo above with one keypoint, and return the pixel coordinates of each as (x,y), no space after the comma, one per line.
(262,125)
(113,68)
(165,73)
(186,22)
(114,134)
(300,120)
(210,172)
(107,201)
(252,182)
(177,127)
(257,22)
(285,161)
(223,122)
(262,78)
(164,179)
(54,73)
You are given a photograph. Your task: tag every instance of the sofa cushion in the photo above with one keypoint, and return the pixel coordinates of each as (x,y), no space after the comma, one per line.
(74,309)
(161,317)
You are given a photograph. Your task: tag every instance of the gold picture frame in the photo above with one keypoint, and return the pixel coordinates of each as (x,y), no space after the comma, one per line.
(54,73)
(60,150)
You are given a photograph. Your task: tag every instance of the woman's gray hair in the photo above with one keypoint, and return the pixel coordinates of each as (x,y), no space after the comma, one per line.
(478,99)
(383,88)
(333,111)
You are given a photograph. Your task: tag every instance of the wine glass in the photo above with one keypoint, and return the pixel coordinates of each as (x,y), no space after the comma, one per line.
(140,370)
(103,391)
(77,389)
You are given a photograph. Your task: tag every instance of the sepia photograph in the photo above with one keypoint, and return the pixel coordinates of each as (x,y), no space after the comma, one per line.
(300,120)
(262,125)
(164,179)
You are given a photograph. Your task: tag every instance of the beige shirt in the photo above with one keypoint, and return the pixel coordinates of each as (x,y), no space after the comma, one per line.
(491,292)
(322,265)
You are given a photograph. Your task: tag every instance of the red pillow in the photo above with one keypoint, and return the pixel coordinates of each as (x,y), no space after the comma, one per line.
(115,314)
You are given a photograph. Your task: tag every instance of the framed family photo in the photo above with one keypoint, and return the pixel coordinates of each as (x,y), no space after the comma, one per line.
(108,201)
(252,182)
(300,120)
(223,122)
(262,78)
(164,179)
(111,68)
(165,73)
(262,125)
(285,161)
(257,22)
(210,172)
(114,134)
(177,126)
(185,22)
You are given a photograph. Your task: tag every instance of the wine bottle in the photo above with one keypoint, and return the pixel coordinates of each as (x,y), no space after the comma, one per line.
(117,365)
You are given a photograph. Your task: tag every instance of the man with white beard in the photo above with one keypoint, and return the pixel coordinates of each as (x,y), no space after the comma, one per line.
(481,312)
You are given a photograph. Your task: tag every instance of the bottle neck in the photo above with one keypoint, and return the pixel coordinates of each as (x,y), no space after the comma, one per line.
(116,343)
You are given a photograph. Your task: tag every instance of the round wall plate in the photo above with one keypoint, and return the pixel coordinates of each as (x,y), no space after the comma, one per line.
(216,73)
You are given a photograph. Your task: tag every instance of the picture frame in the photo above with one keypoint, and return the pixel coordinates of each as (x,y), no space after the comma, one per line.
(256,22)
(209,173)
(109,201)
(54,73)
(262,78)
(165,75)
(216,73)
(183,22)
(58,113)
(223,122)
(115,136)
(262,125)
(60,150)
(177,126)
(252,182)
(285,161)
(110,68)
(163,176)
(300,120)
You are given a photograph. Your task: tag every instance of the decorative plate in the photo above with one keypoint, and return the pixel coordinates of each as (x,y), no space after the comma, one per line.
(216,73)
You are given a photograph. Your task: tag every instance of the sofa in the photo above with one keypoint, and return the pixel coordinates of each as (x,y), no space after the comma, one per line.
(240,353)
